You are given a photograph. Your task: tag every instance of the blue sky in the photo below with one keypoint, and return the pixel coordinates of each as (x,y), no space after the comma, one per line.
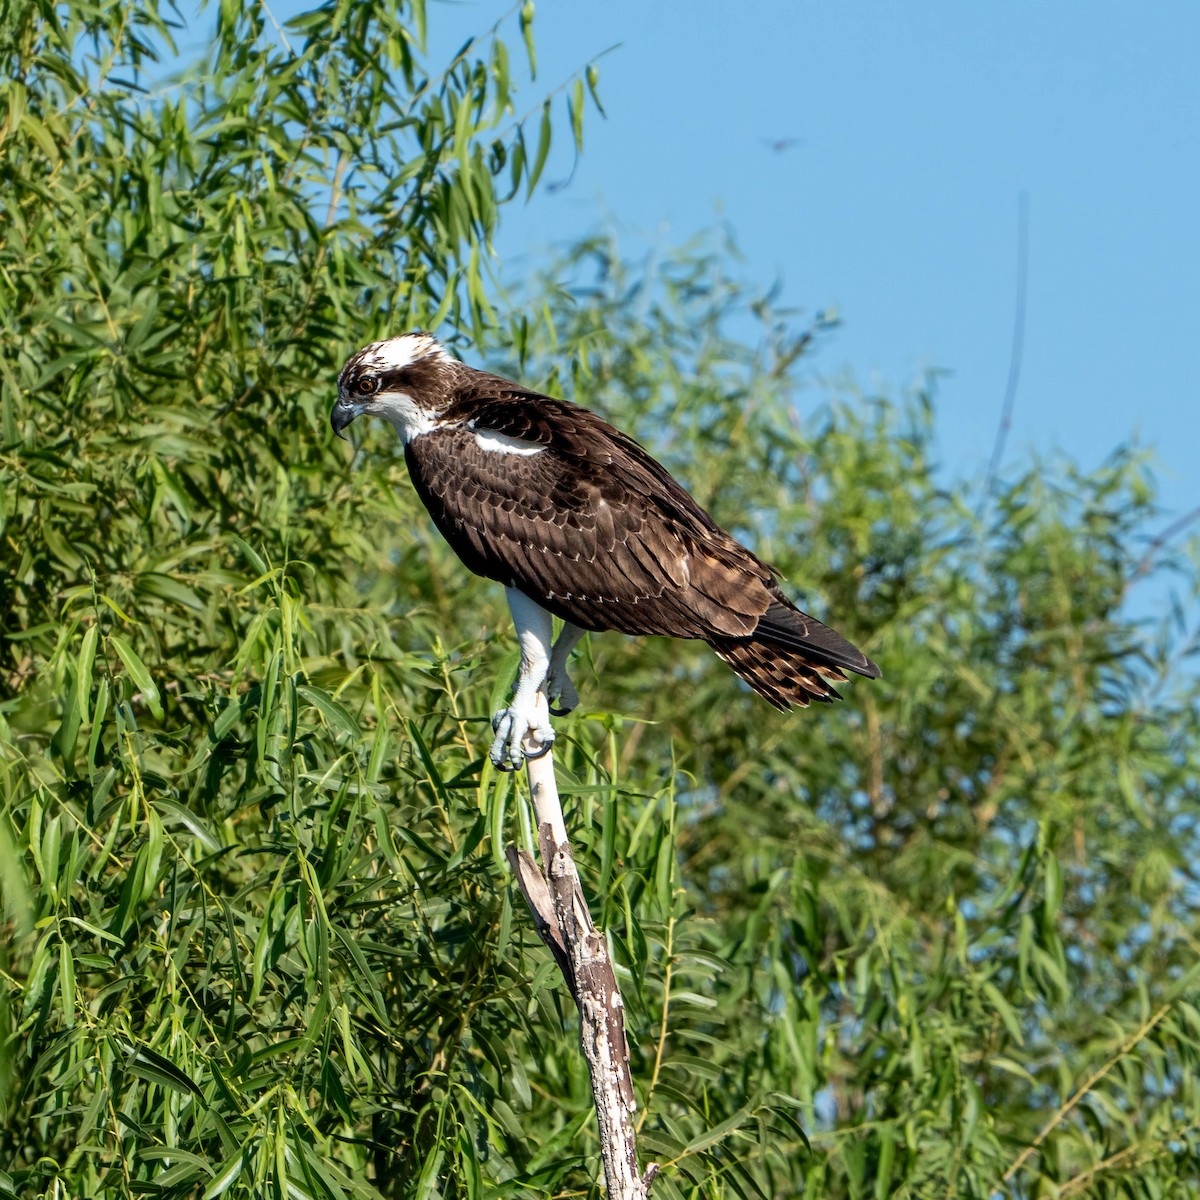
(917,127)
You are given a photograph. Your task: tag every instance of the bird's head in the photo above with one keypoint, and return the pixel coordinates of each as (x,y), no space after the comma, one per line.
(406,380)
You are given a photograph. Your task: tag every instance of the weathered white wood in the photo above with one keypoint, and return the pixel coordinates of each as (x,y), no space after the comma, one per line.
(560,910)
(543,787)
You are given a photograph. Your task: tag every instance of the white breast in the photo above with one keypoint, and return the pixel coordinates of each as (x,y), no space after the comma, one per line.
(407,418)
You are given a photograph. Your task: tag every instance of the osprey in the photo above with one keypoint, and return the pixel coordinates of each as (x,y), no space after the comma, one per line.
(577,521)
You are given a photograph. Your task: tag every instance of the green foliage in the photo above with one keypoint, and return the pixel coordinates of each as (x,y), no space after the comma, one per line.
(938,940)
(956,916)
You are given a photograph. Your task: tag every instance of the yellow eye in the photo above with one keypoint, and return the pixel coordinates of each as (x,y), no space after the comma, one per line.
(367,385)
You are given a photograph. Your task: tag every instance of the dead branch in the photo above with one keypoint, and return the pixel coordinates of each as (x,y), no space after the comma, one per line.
(564,922)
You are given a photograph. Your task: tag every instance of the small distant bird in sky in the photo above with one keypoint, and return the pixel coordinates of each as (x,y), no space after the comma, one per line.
(578,521)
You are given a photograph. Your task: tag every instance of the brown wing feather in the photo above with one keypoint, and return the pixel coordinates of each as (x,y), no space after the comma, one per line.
(582,542)
(643,556)
(603,536)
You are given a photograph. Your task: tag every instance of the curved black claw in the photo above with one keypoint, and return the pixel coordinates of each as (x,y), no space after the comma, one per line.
(540,753)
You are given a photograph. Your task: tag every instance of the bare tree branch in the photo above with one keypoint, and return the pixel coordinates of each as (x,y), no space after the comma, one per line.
(1015,355)
(564,922)
(1147,561)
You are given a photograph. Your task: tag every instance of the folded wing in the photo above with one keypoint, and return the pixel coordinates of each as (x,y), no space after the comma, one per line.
(547,497)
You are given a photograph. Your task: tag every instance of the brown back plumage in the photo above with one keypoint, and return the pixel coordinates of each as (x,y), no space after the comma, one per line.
(600,534)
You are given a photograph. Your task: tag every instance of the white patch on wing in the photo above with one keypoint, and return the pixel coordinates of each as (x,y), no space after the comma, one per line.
(501,443)
(398,352)
(408,419)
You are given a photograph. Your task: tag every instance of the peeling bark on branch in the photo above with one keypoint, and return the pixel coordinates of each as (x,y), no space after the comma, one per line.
(564,923)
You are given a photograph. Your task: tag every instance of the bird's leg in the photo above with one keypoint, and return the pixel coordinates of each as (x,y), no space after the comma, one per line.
(558,686)
(522,718)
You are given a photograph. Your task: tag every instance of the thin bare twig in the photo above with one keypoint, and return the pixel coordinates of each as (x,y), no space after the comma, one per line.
(283,37)
(1146,562)
(1133,1156)
(663,1025)
(1082,1091)
(1015,355)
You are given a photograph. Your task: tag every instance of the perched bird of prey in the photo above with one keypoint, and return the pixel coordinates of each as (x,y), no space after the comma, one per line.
(577,521)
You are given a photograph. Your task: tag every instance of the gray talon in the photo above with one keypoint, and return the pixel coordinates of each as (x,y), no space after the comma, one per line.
(512,727)
(560,689)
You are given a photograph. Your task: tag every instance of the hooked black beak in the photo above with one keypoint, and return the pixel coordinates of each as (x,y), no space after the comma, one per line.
(344,411)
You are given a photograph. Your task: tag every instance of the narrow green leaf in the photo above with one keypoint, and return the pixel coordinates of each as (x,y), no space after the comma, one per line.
(150,1065)
(527,11)
(664,872)
(138,673)
(427,1181)
(188,818)
(95,930)
(363,970)
(593,82)
(66,982)
(543,150)
(1054,889)
(226,1175)
(83,671)
(718,1133)
(576,111)
(338,717)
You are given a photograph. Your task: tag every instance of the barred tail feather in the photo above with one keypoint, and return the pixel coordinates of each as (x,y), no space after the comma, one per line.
(781,675)
(784,625)
(791,658)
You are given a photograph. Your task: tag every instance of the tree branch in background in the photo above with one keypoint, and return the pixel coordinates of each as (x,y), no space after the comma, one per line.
(1014,358)
(560,913)
(1148,560)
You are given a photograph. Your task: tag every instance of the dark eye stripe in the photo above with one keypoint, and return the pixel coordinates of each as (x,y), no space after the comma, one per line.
(396,380)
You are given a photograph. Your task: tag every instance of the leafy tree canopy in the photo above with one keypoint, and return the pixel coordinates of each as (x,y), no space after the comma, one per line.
(260,934)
